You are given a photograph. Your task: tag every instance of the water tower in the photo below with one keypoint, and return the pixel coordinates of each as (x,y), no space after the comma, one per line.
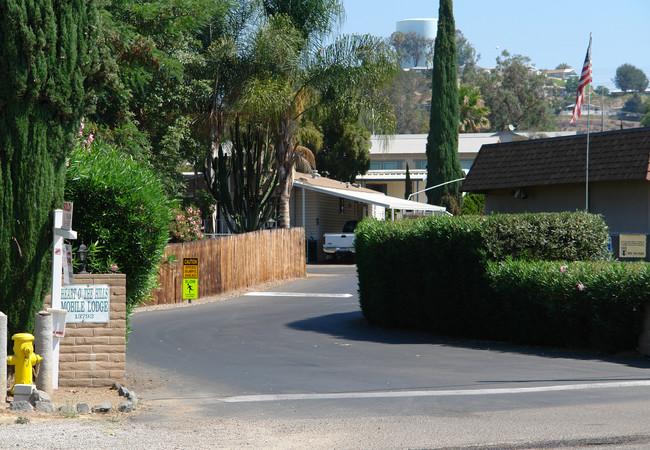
(427,28)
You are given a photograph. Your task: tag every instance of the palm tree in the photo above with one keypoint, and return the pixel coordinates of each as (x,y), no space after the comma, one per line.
(472,110)
(284,70)
(307,74)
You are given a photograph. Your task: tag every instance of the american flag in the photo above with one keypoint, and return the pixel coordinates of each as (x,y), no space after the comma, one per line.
(585,79)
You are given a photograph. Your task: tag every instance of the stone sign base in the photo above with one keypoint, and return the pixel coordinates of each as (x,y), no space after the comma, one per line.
(94,354)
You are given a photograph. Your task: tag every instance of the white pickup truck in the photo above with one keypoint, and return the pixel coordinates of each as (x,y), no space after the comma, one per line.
(340,244)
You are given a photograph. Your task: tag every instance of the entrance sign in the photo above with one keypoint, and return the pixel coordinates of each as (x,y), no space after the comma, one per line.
(632,246)
(190,278)
(86,303)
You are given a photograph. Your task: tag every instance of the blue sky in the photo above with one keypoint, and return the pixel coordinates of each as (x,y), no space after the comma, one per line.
(549,32)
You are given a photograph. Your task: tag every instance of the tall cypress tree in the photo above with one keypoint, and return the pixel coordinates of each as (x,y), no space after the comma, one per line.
(47,53)
(443,163)
(408,185)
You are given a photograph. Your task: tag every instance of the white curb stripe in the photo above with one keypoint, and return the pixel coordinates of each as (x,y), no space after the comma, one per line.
(430,393)
(295,294)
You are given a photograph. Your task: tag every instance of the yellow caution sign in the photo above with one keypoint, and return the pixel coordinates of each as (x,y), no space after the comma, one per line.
(190,278)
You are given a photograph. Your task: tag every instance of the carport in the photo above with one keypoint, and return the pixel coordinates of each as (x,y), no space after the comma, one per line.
(351,192)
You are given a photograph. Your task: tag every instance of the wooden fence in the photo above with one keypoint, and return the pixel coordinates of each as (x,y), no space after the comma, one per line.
(234,262)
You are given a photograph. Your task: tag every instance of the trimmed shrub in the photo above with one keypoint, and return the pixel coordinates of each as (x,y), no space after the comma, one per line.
(580,304)
(568,236)
(461,276)
(121,205)
(420,273)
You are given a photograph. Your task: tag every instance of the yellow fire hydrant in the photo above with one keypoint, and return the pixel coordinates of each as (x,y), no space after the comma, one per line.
(23,358)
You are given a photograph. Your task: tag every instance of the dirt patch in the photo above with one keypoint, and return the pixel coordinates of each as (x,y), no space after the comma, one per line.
(70,396)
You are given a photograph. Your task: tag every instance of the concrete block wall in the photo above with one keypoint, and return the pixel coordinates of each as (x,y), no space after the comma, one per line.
(94,354)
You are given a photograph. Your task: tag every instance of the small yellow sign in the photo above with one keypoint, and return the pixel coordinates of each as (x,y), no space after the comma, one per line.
(190,271)
(190,267)
(190,288)
(190,278)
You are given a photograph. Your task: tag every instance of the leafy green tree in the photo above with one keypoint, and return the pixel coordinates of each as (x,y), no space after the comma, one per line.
(634,105)
(630,78)
(571,87)
(51,58)
(472,110)
(516,95)
(473,204)
(466,55)
(162,80)
(287,71)
(346,150)
(314,19)
(408,184)
(408,93)
(310,135)
(601,90)
(413,49)
(443,163)
(645,118)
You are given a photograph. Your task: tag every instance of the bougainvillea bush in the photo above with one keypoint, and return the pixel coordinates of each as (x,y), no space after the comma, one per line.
(186,225)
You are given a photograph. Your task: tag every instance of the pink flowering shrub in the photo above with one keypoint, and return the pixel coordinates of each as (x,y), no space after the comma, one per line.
(85,141)
(186,225)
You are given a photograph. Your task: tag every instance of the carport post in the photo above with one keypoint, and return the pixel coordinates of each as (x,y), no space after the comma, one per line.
(303,210)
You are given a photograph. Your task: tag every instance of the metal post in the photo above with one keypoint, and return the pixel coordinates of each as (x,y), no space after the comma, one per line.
(434,187)
(587,168)
(303,210)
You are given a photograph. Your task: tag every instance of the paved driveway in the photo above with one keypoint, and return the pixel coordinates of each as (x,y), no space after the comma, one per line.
(303,350)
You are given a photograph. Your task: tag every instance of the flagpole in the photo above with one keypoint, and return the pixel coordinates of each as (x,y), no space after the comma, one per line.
(588,126)
(587,166)
(586,77)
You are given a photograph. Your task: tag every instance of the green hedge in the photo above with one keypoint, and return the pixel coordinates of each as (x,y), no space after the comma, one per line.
(120,204)
(457,276)
(579,304)
(420,273)
(568,236)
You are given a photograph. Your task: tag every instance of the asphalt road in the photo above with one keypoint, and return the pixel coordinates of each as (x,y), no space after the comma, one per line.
(303,351)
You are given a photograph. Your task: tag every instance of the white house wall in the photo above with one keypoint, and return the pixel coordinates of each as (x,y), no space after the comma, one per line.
(322,214)
(312,228)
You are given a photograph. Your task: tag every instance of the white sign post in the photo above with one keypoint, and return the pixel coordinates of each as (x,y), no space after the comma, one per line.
(58,251)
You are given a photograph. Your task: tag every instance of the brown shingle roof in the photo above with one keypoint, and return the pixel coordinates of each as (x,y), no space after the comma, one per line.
(613,156)
(325,182)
